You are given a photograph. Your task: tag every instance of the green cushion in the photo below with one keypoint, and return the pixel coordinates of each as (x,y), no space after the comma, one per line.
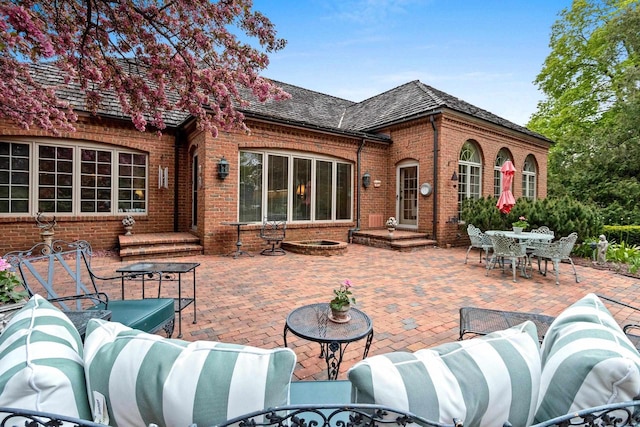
(145,379)
(41,366)
(586,361)
(147,315)
(484,381)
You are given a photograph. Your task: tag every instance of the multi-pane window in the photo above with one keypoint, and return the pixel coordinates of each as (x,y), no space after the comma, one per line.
(70,179)
(469,173)
(95,181)
(503,156)
(294,188)
(132,182)
(14,178)
(529,174)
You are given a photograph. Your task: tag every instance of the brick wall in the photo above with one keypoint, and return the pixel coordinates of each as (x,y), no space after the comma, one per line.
(101,231)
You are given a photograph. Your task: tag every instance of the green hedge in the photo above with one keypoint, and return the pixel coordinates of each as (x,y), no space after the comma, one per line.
(630,234)
(562,215)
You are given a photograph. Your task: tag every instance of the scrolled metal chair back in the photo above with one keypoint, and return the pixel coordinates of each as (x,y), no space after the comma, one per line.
(504,246)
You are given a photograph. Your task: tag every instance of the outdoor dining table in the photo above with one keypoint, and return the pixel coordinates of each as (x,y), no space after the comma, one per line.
(523,236)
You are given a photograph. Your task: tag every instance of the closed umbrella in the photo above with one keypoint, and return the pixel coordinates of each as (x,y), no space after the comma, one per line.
(506,200)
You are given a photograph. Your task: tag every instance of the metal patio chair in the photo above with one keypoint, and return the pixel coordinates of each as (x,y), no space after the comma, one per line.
(273,232)
(556,252)
(480,241)
(508,248)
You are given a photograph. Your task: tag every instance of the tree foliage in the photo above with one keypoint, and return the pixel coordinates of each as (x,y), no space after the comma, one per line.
(154,56)
(591,81)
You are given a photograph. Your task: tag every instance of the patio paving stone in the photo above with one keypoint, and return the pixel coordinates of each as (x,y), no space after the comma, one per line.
(413,298)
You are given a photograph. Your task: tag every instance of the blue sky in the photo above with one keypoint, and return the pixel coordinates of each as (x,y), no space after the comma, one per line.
(485,52)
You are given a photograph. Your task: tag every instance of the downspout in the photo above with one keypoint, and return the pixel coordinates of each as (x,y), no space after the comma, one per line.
(358,191)
(176,181)
(435,177)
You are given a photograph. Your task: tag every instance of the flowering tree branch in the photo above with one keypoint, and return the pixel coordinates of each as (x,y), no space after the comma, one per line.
(152,56)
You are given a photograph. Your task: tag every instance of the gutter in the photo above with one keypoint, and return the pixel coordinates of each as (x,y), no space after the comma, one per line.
(436,150)
(358,191)
(176,166)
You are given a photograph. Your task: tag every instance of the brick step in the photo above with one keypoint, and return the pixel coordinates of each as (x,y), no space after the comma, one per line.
(155,245)
(409,245)
(143,239)
(134,253)
(399,240)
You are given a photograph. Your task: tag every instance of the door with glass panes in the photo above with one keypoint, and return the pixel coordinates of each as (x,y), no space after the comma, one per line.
(407,196)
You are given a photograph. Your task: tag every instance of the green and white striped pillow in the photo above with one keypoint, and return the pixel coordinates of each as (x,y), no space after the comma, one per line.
(41,365)
(146,379)
(586,361)
(483,381)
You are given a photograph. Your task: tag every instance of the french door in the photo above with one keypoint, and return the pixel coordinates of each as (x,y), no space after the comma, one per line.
(407,196)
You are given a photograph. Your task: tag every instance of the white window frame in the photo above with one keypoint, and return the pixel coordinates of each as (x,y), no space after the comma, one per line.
(291,190)
(529,178)
(469,161)
(76,178)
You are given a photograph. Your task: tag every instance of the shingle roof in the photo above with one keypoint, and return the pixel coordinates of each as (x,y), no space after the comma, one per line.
(314,109)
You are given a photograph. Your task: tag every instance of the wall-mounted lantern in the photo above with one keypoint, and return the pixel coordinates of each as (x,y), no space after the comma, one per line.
(366,180)
(223,168)
(454,178)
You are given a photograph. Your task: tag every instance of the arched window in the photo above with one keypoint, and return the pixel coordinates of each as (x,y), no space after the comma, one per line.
(469,173)
(503,156)
(529,174)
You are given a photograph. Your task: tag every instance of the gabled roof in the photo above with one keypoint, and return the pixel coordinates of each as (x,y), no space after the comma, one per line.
(312,109)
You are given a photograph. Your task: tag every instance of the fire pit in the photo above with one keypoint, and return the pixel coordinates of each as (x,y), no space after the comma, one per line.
(316,247)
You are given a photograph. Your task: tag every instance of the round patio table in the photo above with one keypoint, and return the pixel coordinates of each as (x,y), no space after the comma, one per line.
(312,322)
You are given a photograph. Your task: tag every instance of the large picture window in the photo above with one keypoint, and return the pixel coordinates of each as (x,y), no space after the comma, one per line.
(294,187)
(71,179)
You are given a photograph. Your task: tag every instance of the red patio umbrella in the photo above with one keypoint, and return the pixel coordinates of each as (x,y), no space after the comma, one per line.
(506,200)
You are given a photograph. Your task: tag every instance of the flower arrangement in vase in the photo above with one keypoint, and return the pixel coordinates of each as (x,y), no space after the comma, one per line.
(391,224)
(520,224)
(341,303)
(128,222)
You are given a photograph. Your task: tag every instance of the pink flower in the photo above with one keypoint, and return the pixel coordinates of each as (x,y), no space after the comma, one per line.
(4,265)
(347,283)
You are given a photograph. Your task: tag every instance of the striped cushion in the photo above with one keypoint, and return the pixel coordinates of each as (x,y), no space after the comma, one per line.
(586,361)
(482,381)
(41,365)
(145,378)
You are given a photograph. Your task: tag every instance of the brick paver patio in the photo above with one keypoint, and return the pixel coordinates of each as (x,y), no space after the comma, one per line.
(413,298)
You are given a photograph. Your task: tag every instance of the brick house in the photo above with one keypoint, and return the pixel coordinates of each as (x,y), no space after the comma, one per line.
(330,166)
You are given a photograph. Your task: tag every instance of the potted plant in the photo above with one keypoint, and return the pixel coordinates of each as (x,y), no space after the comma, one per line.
(392,223)
(11,297)
(341,303)
(128,222)
(520,224)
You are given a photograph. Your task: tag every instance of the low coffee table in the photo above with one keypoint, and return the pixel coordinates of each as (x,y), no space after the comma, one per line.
(312,322)
(483,321)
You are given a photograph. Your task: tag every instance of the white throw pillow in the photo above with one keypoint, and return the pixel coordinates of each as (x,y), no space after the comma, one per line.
(146,379)
(483,381)
(41,365)
(587,361)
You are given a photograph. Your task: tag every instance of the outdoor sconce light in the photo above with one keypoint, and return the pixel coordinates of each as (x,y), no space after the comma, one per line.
(454,178)
(366,180)
(223,168)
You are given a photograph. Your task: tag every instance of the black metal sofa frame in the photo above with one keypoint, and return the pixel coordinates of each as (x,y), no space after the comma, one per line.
(54,269)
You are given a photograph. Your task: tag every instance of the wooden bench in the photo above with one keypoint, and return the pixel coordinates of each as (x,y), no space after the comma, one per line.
(61,272)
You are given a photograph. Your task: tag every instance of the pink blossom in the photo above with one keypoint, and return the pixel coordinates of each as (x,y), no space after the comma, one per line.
(347,283)
(144,55)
